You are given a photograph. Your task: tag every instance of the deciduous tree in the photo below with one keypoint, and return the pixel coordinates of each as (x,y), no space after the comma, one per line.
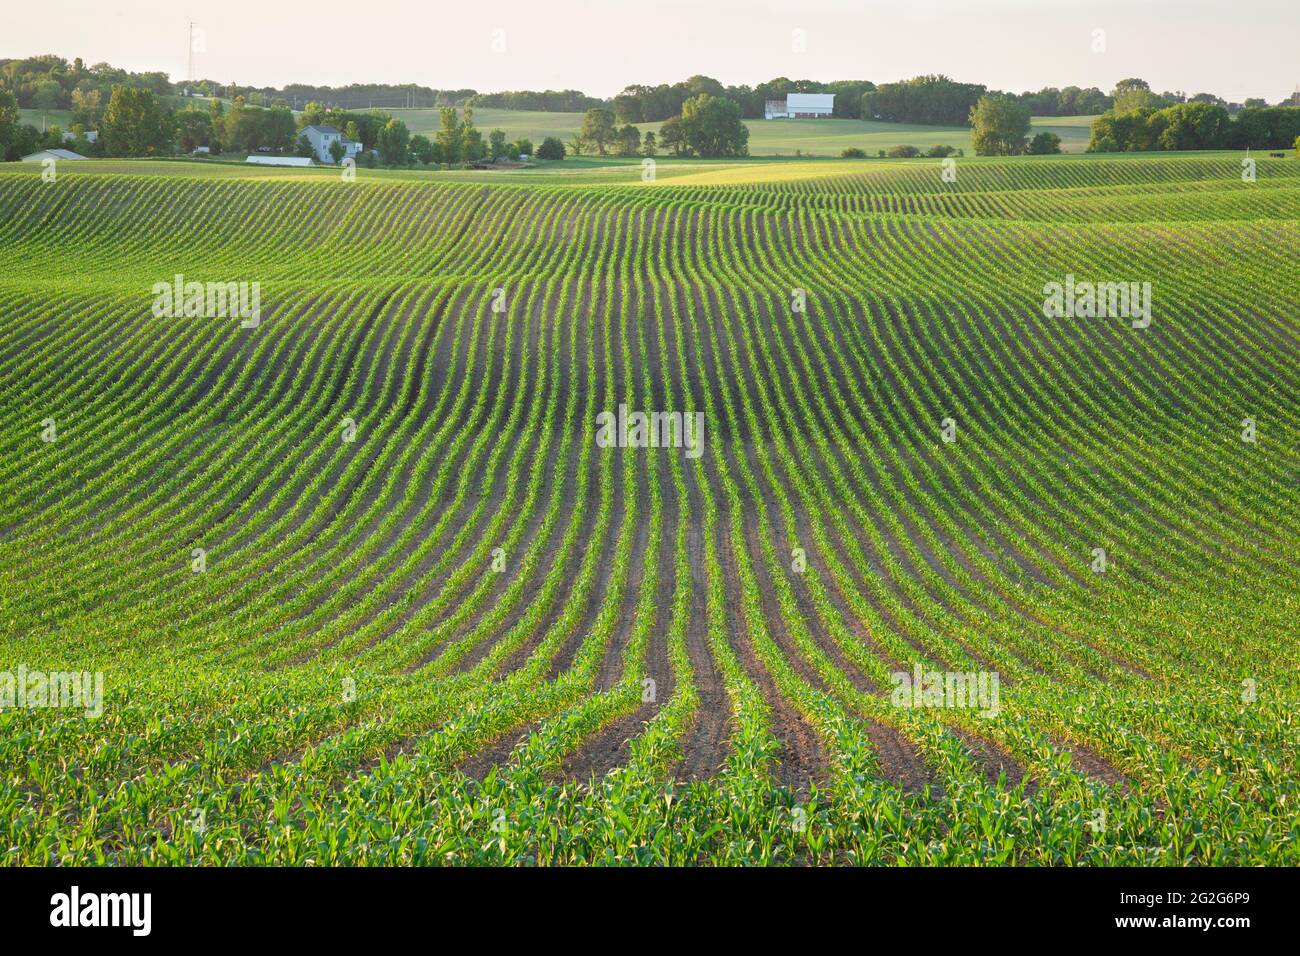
(1000,126)
(135,124)
(712,127)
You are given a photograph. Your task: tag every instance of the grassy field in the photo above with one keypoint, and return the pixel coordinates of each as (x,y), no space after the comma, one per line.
(767,137)
(365,584)
(515,123)
(39,118)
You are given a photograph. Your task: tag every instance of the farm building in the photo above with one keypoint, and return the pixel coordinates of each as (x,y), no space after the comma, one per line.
(51,154)
(322,137)
(800,106)
(280,161)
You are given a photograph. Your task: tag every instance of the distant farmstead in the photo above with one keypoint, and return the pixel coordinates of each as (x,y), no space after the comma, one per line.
(800,106)
(322,137)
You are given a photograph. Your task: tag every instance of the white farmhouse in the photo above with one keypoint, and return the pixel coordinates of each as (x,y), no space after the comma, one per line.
(800,106)
(321,138)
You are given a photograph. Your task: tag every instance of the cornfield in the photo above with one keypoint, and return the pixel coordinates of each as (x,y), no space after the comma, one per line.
(365,586)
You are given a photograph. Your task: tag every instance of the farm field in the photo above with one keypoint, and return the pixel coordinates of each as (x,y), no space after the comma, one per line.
(827,137)
(365,586)
(38,118)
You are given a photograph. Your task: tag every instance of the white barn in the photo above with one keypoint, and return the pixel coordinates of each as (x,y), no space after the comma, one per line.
(800,106)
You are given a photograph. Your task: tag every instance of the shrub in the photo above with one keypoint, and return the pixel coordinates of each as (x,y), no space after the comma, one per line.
(1044,144)
(853,152)
(551,148)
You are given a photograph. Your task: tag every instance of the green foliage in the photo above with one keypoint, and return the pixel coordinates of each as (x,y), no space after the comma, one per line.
(1068,101)
(472,147)
(651,104)
(251,128)
(1044,144)
(394,144)
(672,136)
(422,150)
(1190,126)
(551,149)
(193,128)
(932,100)
(853,152)
(546,101)
(448,138)
(1194,125)
(712,127)
(278,130)
(598,130)
(848,97)
(627,141)
(8,121)
(135,124)
(87,107)
(1273,128)
(999,126)
(51,82)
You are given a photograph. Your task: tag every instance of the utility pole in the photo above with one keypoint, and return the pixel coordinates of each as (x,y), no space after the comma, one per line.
(189,60)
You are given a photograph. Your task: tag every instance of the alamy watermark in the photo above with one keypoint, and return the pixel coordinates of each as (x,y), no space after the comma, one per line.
(975,690)
(1098,300)
(210,300)
(651,430)
(75,908)
(64,690)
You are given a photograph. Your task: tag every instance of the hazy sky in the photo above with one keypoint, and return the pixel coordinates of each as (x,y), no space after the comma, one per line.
(1234,48)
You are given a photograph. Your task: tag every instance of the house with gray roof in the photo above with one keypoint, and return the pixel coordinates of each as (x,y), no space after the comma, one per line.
(322,137)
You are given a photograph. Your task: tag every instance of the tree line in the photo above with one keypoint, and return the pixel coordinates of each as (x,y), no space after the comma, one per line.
(1141,121)
(52,82)
(134,116)
(1194,126)
(136,122)
(653,104)
(706,126)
